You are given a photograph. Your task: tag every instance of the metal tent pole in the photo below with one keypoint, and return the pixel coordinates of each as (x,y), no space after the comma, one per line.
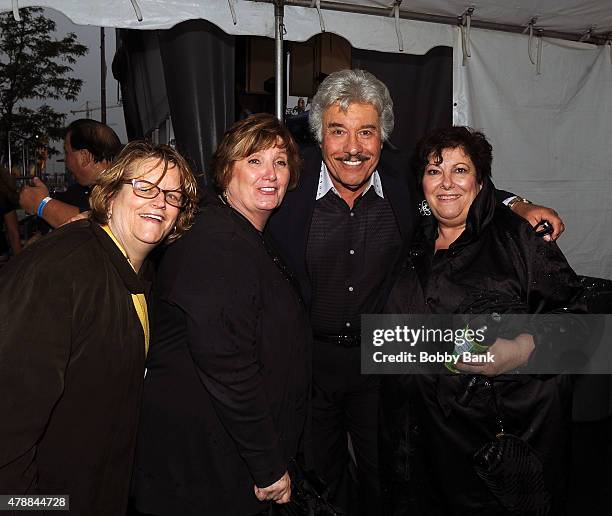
(10,160)
(279,11)
(102,76)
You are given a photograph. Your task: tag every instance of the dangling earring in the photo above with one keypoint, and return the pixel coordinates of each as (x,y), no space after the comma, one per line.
(225,199)
(110,214)
(424,209)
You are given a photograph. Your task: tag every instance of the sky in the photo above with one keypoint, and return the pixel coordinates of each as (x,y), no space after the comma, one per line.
(87,68)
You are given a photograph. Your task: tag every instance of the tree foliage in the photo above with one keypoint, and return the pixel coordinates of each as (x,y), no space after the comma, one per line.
(34,65)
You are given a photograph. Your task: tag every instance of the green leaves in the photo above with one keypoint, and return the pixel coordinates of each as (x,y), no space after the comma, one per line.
(35,64)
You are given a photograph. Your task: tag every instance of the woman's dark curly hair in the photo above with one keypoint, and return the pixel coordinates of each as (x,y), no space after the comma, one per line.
(474,144)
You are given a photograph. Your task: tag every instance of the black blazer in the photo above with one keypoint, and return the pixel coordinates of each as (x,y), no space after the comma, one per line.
(226,389)
(71,361)
(290,224)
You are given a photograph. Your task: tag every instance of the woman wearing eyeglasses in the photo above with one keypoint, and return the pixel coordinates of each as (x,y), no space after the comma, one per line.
(74,333)
(226,391)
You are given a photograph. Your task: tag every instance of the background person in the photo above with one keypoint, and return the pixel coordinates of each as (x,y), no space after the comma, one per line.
(226,391)
(10,240)
(89,148)
(74,334)
(341,230)
(473,255)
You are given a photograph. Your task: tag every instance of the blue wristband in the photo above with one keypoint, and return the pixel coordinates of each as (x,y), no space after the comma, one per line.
(41,206)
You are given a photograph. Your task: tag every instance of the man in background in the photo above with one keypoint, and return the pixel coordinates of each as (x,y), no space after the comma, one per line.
(89,148)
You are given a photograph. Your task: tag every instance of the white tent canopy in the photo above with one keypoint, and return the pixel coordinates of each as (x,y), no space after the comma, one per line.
(550,121)
(242,17)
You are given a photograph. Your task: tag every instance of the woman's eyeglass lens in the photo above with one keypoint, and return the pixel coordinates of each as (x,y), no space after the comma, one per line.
(148,190)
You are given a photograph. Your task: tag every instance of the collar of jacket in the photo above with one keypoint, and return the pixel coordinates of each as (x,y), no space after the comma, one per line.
(133,282)
(210,197)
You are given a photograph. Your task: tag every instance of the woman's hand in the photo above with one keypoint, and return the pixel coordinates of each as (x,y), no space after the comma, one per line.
(279,492)
(507,354)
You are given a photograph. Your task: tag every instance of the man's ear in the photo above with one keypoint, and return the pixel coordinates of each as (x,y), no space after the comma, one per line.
(85,158)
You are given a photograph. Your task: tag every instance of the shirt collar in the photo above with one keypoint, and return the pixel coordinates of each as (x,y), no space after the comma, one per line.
(326,184)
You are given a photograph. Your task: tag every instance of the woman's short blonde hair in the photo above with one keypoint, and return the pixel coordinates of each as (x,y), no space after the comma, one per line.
(128,165)
(253,134)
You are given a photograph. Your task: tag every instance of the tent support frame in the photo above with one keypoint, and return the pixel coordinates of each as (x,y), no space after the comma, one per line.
(598,39)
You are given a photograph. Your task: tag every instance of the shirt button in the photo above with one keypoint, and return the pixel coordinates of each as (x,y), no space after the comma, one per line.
(348,324)
(351,289)
(352,251)
(352,214)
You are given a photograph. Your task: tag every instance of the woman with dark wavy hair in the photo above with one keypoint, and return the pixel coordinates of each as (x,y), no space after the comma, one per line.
(472,255)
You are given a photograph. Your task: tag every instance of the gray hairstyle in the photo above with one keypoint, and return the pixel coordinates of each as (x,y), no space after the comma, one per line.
(347,87)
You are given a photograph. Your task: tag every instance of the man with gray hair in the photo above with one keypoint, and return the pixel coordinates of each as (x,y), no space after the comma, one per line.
(341,231)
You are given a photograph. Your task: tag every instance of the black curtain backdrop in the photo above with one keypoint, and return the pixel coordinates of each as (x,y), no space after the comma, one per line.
(198,60)
(189,72)
(138,67)
(186,72)
(422,92)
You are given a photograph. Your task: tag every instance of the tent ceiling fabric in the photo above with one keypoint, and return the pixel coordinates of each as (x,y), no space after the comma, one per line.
(362,30)
(253,18)
(575,16)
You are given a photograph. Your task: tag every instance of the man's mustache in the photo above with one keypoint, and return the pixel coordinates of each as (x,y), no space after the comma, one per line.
(357,157)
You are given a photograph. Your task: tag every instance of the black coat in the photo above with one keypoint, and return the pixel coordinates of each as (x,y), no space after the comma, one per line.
(71,369)
(226,389)
(497,264)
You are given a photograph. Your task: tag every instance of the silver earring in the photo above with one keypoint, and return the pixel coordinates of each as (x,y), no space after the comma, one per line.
(424,209)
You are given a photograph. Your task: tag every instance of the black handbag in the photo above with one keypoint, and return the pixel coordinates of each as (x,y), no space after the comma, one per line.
(512,471)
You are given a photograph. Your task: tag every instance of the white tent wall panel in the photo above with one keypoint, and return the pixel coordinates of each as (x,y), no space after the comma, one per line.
(551,133)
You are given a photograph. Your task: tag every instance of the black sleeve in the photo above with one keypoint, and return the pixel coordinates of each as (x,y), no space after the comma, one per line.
(502,195)
(35,340)
(6,206)
(219,292)
(562,333)
(552,285)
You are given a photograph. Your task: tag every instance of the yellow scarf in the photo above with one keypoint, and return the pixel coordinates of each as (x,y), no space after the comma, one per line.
(139,300)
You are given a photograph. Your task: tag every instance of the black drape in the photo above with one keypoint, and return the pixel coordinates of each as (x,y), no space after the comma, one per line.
(186,72)
(138,67)
(422,92)
(198,61)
